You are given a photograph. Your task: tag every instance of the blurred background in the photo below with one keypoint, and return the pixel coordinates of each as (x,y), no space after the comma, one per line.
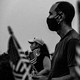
(27,18)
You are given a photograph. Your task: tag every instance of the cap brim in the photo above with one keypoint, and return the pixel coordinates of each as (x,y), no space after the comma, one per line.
(31,42)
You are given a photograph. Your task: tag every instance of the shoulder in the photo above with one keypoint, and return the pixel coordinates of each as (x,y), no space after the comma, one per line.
(46,58)
(73,42)
(71,45)
(47,62)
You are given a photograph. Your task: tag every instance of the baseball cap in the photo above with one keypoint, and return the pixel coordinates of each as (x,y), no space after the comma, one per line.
(37,40)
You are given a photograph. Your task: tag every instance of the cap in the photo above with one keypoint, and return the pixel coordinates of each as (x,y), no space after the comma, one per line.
(37,40)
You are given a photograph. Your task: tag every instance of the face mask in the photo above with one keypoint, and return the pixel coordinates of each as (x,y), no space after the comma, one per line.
(53,24)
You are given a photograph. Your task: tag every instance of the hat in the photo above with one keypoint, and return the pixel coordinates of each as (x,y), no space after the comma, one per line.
(39,41)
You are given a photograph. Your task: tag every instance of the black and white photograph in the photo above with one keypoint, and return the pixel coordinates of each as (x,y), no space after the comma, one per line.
(39,39)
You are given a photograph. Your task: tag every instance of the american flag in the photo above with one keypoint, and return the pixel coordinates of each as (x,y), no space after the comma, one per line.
(77,57)
(21,66)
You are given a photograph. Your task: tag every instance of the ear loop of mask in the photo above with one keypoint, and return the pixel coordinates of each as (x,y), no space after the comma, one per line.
(58,17)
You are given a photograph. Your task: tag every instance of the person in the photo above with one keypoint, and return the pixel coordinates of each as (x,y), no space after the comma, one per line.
(40,58)
(5,68)
(63,62)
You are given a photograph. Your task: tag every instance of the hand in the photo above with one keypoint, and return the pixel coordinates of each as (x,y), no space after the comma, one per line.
(39,77)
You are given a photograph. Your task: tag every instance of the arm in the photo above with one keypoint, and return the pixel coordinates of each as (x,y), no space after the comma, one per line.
(72,56)
(47,66)
(71,52)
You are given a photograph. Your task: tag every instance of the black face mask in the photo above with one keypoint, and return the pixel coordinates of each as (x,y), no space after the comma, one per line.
(53,24)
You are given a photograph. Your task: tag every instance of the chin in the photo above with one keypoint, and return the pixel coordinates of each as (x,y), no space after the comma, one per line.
(52,29)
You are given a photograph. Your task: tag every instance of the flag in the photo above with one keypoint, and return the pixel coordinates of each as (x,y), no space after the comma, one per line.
(12,51)
(21,66)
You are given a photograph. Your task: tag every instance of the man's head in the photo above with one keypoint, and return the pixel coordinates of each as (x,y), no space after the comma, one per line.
(60,12)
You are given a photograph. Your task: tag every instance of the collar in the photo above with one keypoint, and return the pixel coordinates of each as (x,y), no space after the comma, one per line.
(67,34)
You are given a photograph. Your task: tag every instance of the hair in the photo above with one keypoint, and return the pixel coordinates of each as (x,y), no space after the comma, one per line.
(68,9)
(44,50)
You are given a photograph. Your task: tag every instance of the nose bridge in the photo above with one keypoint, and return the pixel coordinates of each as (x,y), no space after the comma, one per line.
(50,16)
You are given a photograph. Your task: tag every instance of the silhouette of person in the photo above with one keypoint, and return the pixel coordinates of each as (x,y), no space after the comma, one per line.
(63,62)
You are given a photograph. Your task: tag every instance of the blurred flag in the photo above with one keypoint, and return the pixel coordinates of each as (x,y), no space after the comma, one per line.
(12,51)
(77,68)
(20,64)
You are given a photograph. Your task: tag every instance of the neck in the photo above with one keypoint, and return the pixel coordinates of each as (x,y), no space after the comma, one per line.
(64,30)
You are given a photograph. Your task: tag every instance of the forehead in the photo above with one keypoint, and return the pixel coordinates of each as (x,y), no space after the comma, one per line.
(53,8)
